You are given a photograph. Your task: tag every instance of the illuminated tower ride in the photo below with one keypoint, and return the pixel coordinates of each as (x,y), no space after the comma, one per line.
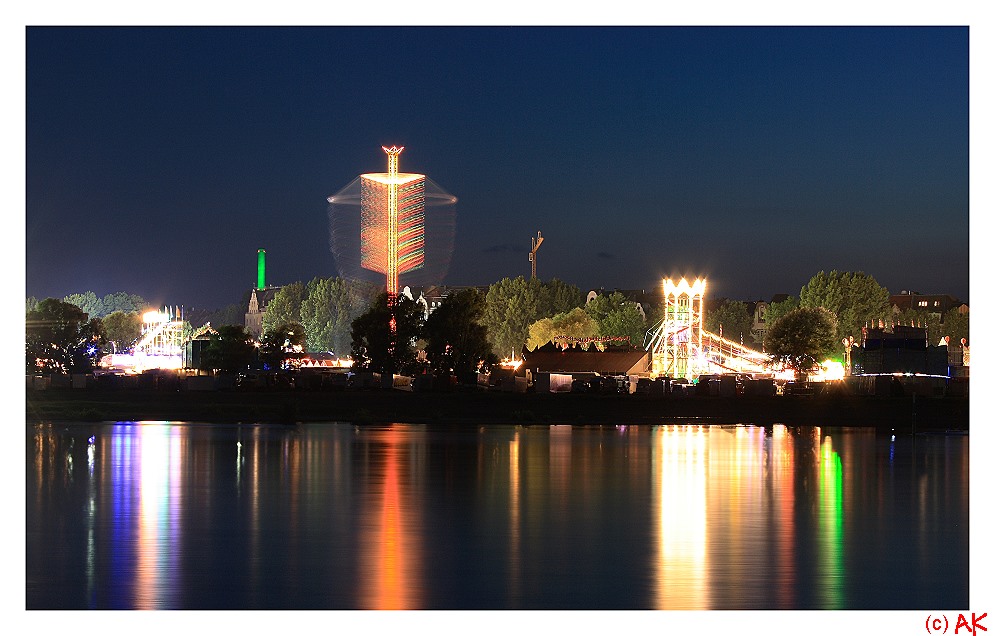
(676,344)
(392,223)
(682,348)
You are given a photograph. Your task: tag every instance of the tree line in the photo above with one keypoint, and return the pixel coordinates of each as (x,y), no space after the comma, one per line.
(470,328)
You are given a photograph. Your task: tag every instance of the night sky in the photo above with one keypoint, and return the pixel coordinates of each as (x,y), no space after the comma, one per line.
(158,160)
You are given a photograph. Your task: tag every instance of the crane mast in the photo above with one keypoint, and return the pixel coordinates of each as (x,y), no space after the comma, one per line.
(536,242)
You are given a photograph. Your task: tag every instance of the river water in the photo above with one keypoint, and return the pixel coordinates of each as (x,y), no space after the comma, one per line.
(158,515)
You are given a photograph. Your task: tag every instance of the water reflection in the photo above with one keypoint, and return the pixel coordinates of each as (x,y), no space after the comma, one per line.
(681,504)
(514,522)
(390,550)
(780,491)
(145,462)
(159,515)
(831,578)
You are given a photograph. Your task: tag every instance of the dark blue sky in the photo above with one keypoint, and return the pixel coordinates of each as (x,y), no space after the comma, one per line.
(160,159)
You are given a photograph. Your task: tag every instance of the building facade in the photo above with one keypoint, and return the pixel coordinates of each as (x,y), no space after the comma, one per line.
(258,302)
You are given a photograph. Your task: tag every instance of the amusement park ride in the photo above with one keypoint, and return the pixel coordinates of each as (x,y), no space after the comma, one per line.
(680,346)
(160,345)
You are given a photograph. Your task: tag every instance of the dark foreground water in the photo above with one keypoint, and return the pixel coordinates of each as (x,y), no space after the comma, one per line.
(158,515)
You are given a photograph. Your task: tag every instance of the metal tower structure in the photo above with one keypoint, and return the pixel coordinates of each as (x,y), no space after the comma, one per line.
(677,342)
(680,346)
(536,242)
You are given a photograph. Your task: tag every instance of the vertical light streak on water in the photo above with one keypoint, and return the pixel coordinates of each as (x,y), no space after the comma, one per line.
(559,462)
(390,590)
(39,466)
(735,489)
(783,486)
(679,496)
(238,464)
(91,522)
(121,482)
(832,575)
(255,552)
(69,463)
(153,512)
(175,515)
(390,555)
(292,471)
(514,524)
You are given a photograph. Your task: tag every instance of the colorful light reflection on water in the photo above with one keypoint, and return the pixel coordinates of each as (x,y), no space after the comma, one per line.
(159,515)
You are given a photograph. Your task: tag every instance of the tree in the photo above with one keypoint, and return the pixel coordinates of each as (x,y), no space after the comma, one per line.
(956,325)
(88,302)
(802,338)
(953,323)
(328,308)
(560,297)
(575,323)
(513,304)
(97,307)
(283,346)
(230,349)
(733,319)
(654,314)
(854,299)
(122,329)
(285,306)
(124,302)
(376,346)
(774,311)
(455,339)
(917,317)
(60,337)
(228,315)
(616,316)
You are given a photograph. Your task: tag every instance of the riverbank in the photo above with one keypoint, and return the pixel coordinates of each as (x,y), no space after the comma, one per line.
(902,414)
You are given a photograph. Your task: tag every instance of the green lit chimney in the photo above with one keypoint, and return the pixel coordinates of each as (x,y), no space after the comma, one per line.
(261,269)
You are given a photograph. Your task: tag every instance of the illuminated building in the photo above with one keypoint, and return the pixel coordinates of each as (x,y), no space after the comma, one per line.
(392,224)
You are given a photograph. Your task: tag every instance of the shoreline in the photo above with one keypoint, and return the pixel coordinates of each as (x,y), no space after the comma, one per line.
(382,406)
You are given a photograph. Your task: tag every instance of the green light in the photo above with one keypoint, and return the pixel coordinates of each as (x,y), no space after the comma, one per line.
(261,269)
(832,581)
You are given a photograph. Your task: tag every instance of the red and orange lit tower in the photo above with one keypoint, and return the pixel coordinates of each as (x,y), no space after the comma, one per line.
(392,225)
(393,221)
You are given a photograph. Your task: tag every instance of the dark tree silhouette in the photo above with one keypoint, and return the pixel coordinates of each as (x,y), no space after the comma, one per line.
(802,338)
(455,339)
(231,349)
(60,337)
(376,346)
(283,346)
